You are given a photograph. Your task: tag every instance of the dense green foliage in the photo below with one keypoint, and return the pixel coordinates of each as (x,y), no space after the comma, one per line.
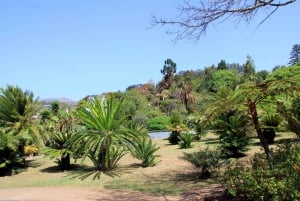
(234,133)
(18,127)
(258,182)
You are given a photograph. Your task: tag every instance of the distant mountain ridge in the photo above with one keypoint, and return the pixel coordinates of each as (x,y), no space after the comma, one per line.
(61,100)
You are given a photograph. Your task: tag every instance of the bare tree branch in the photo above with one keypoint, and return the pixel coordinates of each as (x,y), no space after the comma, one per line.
(194,18)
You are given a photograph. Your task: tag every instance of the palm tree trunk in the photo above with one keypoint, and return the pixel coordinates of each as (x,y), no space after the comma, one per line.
(103,158)
(65,163)
(263,141)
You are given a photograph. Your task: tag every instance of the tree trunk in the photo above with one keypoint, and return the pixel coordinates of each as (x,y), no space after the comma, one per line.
(263,141)
(65,162)
(103,158)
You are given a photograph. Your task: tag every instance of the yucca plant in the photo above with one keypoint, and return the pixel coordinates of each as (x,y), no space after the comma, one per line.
(144,150)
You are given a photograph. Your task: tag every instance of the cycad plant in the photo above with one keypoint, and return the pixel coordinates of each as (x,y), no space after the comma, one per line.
(270,121)
(104,138)
(185,140)
(10,157)
(234,133)
(57,146)
(207,160)
(17,117)
(144,149)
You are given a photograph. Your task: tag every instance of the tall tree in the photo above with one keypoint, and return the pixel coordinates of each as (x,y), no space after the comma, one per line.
(195,16)
(168,71)
(249,70)
(222,65)
(295,55)
(186,95)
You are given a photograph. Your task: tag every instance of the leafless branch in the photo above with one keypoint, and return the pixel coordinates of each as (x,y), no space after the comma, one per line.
(194,18)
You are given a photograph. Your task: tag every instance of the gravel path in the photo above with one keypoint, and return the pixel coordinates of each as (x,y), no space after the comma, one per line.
(77,194)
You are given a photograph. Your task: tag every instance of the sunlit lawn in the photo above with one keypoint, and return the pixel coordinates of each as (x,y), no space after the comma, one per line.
(171,175)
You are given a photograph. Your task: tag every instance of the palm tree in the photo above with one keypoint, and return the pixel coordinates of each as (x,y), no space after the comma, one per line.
(104,139)
(186,96)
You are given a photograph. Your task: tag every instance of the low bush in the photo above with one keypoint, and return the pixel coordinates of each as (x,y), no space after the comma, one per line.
(158,123)
(260,183)
(207,160)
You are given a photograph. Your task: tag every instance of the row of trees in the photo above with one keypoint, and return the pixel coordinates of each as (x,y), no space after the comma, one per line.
(95,129)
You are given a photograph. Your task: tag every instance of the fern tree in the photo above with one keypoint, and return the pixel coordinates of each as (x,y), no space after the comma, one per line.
(245,99)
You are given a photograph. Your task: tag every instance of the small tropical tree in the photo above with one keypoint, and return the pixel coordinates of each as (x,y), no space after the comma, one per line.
(57,146)
(234,133)
(105,138)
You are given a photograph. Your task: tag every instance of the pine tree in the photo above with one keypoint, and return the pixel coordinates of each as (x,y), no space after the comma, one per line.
(295,55)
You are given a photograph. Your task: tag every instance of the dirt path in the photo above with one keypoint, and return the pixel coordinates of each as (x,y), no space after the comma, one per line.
(77,194)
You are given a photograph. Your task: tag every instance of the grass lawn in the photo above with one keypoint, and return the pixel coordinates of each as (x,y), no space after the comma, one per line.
(171,176)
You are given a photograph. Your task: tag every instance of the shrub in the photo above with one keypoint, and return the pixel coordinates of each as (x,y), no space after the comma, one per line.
(207,160)
(185,140)
(234,134)
(31,150)
(158,123)
(11,158)
(175,133)
(259,182)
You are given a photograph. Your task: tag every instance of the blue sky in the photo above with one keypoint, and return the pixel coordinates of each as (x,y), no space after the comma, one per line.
(67,48)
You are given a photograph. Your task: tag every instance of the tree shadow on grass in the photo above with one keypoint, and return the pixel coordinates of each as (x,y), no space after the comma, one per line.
(73,168)
(169,183)
(31,162)
(211,140)
(86,172)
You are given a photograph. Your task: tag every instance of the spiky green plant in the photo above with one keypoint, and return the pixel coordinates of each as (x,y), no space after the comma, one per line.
(57,146)
(104,137)
(185,140)
(144,150)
